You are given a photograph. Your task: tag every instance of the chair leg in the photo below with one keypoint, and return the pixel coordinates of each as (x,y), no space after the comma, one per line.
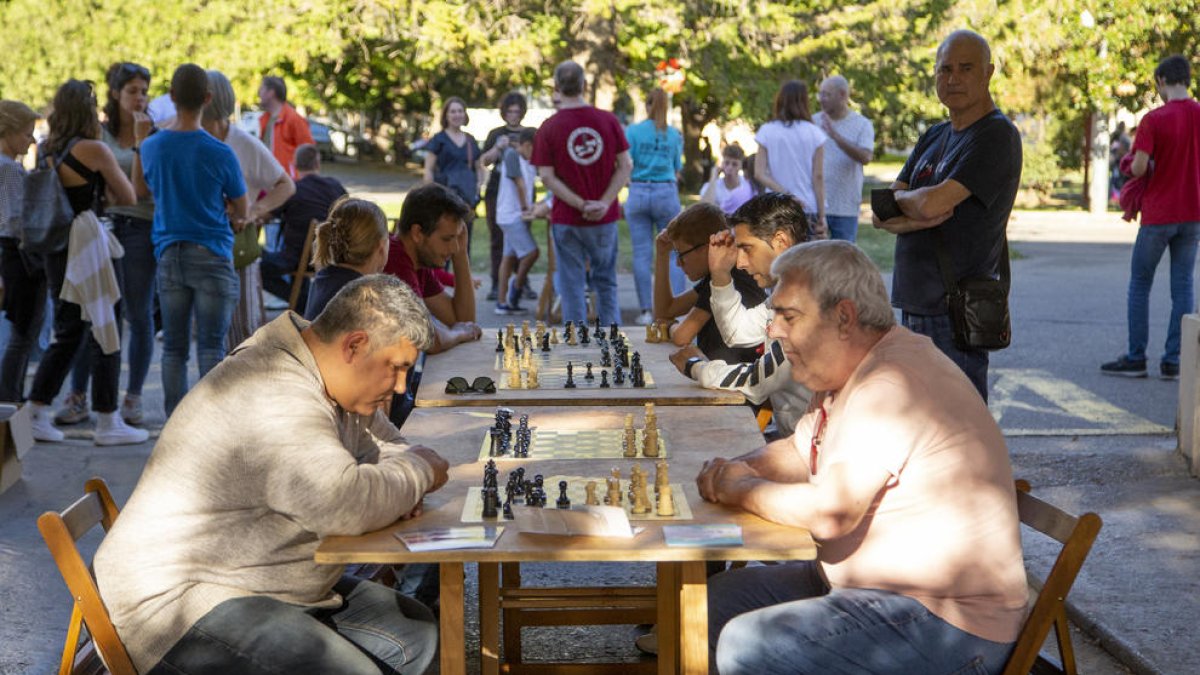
(1062,632)
(71,647)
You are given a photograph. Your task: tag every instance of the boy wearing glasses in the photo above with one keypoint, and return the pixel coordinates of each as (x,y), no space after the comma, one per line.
(688,234)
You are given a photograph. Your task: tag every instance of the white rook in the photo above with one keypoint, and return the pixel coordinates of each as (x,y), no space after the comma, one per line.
(1189,392)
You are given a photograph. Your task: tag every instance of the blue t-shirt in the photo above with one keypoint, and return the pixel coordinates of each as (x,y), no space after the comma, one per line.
(191,174)
(456,165)
(657,155)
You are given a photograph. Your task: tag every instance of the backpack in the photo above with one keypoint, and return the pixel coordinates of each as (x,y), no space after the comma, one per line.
(46,213)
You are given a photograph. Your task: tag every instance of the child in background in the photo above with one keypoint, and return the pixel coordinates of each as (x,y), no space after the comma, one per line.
(514,211)
(688,235)
(729,189)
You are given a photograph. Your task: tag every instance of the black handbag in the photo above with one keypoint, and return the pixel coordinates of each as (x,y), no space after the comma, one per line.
(46,213)
(978,305)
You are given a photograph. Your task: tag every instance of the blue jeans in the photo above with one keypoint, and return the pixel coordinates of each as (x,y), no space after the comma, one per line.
(842,227)
(648,209)
(578,249)
(139,268)
(375,630)
(193,280)
(938,328)
(1151,241)
(784,619)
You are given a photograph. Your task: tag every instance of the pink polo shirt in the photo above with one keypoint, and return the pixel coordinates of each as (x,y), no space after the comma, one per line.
(945,530)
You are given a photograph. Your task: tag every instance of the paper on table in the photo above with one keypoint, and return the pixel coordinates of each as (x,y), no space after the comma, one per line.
(699,536)
(448,538)
(589,521)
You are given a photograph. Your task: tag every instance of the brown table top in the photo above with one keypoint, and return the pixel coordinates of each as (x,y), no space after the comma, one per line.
(473,359)
(694,434)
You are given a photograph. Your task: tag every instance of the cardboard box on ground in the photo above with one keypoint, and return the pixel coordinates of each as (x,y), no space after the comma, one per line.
(15,440)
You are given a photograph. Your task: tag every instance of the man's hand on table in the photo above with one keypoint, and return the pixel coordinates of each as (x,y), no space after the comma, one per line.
(725,482)
(679,358)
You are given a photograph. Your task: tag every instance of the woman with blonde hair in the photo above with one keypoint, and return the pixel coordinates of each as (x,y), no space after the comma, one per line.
(352,243)
(24,279)
(657,153)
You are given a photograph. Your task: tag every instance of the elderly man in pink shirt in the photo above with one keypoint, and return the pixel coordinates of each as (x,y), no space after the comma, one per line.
(901,475)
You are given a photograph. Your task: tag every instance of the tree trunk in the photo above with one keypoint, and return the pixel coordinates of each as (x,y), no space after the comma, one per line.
(695,118)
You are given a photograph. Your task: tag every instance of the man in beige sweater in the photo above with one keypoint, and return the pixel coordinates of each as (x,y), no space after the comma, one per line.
(209,568)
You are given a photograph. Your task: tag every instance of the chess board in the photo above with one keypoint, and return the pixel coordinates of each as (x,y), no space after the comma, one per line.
(555,379)
(557,359)
(577,491)
(579,444)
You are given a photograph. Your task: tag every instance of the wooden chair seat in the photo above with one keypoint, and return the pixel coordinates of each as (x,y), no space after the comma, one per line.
(1076,534)
(99,648)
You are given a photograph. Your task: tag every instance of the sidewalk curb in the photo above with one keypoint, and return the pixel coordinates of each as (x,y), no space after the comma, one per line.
(1110,641)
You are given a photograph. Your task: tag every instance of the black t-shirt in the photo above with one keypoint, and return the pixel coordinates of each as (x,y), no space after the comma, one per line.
(314,195)
(325,284)
(494,135)
(709,338)
(986,159)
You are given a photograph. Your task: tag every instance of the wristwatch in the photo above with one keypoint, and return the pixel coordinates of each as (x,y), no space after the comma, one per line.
(689,364)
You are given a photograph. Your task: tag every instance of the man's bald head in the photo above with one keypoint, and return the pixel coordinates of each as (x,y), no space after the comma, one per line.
(834,95)
(966,37)
(836,83)
(963,74)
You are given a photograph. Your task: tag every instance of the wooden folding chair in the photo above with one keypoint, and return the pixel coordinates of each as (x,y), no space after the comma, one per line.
(100,648)
(1076,534)
(303,268)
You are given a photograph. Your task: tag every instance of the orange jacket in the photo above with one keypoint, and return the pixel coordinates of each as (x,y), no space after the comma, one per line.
(291,131)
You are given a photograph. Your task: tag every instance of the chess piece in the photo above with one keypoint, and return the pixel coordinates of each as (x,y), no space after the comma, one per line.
(531,377)
(553,335)
(664,331)
(613,497)
(661,477)
(499,340)
(651,332)
(604,379)
(618,375)
(666,503)
(545,340)
(509,493)
(592,499)
(650,433)
(563,501)
(585,337)
(526,356)
(588,375)
(509,331)
(605,357)
(569,331)
(639,498)
(491,502)
(524,329)
(514,376)
(570,383)
(613,332)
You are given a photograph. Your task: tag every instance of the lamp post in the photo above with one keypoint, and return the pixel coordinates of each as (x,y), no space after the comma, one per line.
(1097,140)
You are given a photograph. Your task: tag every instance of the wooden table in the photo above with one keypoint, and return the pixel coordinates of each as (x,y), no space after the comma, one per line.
(473,359)
(682,586)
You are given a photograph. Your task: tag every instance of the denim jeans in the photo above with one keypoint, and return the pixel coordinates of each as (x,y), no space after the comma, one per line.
(784,619)
(71,333)
(193,280)
(648,209)
(580,248)
(375,630)
(1151,241)
(842,227)
(138,268)
(25,307)
(938,328)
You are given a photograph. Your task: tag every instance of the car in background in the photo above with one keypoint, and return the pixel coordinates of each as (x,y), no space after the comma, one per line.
(322,137)
(330,139)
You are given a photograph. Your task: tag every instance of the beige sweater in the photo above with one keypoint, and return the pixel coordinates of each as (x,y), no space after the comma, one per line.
(255,466)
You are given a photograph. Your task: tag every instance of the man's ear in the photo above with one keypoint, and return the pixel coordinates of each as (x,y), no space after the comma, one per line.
(355,344)
(846,314)
(781,241)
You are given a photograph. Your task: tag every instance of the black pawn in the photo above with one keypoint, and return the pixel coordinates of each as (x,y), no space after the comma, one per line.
(618,375)
(604,379)
(613,332)
(588,375)
(584,336)
(563,501)
(500,340)
(605,357)
(545,342)
(491,502)
(570,383)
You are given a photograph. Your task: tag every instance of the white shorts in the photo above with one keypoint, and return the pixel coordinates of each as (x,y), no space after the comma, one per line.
(517,239)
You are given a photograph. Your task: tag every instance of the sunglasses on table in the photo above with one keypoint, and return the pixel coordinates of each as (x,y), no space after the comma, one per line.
(481,385)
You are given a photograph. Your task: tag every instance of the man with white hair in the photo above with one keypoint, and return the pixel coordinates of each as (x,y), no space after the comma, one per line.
(210,566)
(902,477)
(849,146)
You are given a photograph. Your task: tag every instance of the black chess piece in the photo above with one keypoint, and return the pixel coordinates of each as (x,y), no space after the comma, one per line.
(563,501)
(500,340)
(638,376)
(545,342)
(531,498)
(598,330)
(570,383)
(604,379)
(584,336)
(588,375)
(491,502)
(605,357)
(509,491)
(618,375)
(637,360)
(613,332)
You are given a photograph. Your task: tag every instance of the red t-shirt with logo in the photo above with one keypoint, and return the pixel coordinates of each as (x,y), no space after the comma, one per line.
(582,145)
(1171,136)
(422,280)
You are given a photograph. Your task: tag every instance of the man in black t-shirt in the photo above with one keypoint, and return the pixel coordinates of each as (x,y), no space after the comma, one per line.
(512,109)
(314,195)
(961,178)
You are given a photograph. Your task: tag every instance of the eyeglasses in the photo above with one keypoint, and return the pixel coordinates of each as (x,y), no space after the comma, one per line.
(128,71)
(481,385)
(679,254)
(817,437)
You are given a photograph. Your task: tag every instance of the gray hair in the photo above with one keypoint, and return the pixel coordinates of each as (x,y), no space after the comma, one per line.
(223,101)
(964,35)
(380,305)
(568,78)
(834,271)
(838,82)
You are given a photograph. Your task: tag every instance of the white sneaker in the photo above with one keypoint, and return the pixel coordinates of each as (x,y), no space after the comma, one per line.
(645,318)
(74,410)
(131,410)
(648,643)
(41,426)
(112,430)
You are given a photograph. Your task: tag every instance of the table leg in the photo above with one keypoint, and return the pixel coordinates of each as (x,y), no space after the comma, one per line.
(451,628)
(693,619)
(489,618)
(668,617)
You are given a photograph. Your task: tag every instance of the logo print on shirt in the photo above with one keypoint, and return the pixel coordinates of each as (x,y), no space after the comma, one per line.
(585,146)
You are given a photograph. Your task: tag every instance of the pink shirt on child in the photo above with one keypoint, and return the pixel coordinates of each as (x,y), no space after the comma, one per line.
(945,530)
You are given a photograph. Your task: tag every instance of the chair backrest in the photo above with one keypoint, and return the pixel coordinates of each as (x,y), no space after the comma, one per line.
(61,531)
(303,268)
(1076,534)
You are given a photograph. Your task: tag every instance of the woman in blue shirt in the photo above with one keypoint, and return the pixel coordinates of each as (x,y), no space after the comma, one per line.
(452,156)
(657,152)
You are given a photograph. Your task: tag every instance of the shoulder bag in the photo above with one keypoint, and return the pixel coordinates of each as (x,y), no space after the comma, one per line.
(46,213)
(978,306)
